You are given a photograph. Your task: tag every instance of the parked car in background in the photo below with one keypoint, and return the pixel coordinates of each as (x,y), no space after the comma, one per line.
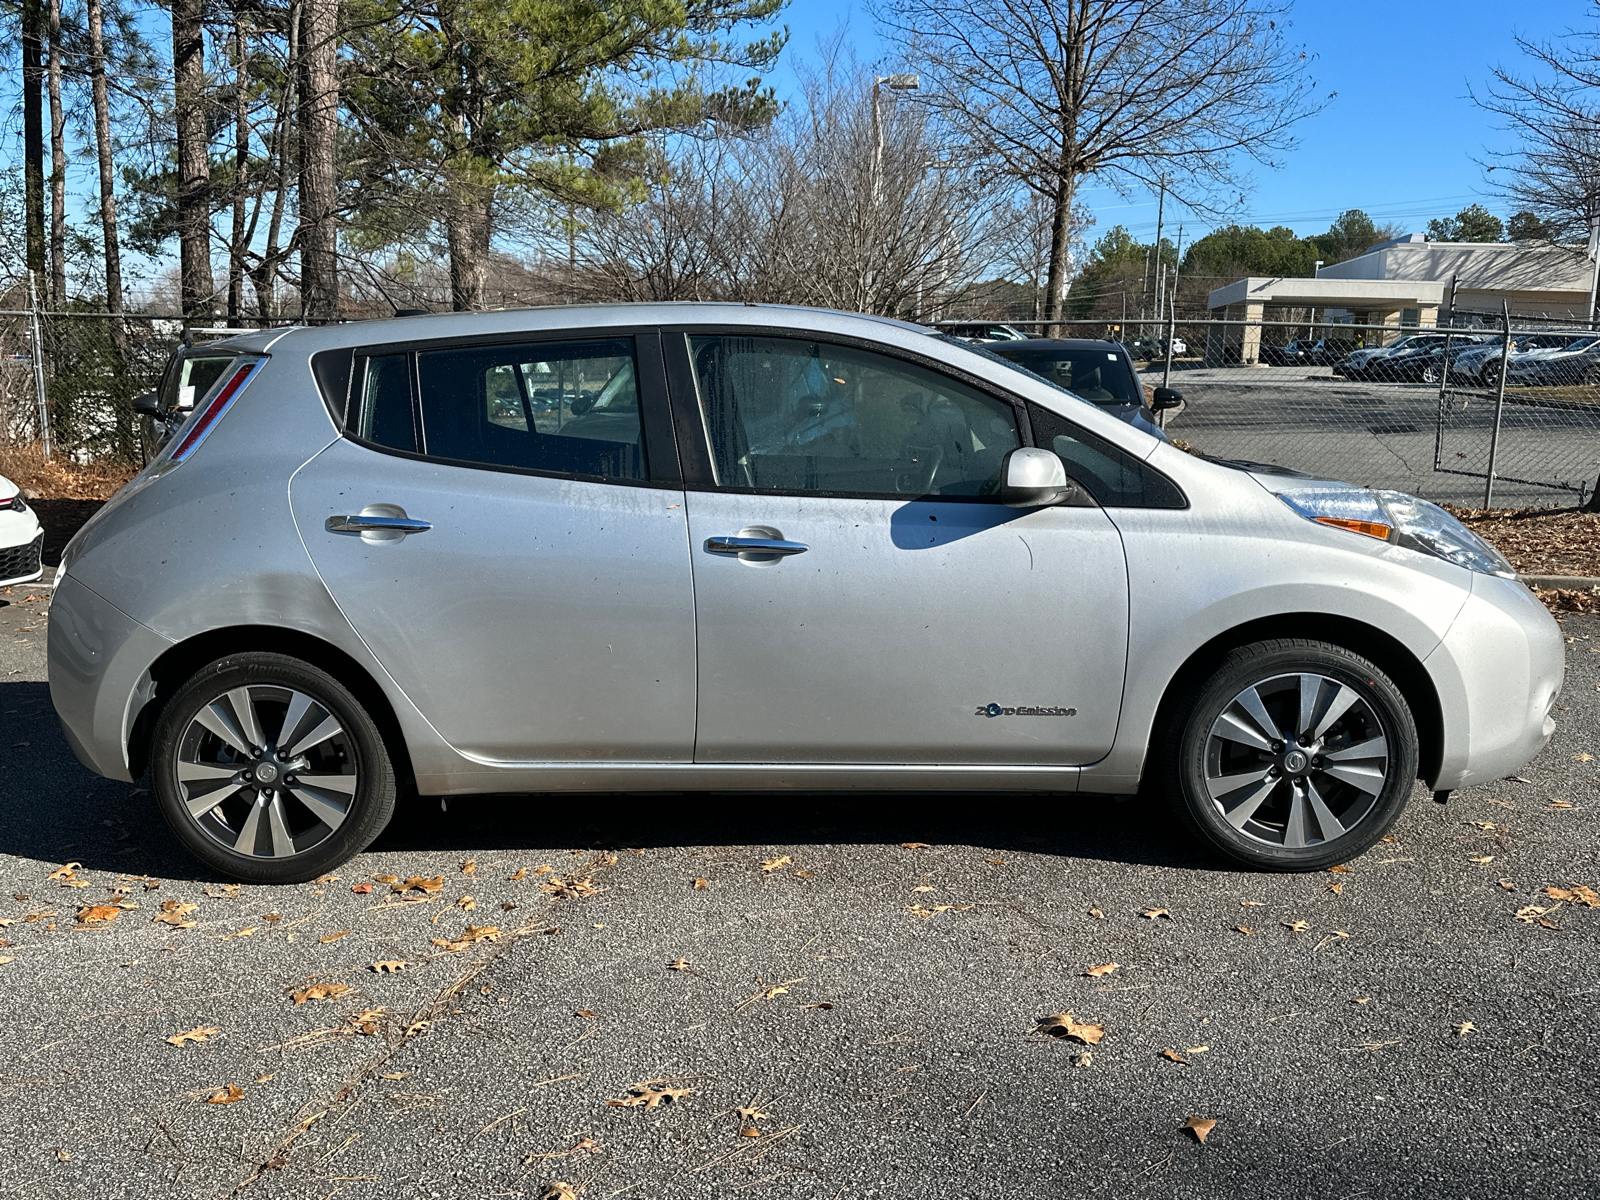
(986,331)
(1154,349)
(1480,363)
(21,537)
(1100,372)
(1577,362)
(1357,363)
(1308,352)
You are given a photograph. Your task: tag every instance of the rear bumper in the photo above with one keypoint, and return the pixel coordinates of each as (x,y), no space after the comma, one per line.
(1498,673)
(99,665)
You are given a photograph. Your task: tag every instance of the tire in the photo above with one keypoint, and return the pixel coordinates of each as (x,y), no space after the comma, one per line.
(215,753)
(1430,374)
(1590,377)
(1273,822)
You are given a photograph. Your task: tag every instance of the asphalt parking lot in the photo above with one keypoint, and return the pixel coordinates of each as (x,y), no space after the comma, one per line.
(848,1007)
(1385,434)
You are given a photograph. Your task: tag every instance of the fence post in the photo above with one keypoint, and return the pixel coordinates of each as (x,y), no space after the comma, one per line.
(1444,383)
(38,365)
(1499,405)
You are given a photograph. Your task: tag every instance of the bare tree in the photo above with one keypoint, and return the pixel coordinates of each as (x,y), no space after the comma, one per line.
(318,235)
(194,164)
(58,166)
(33,132)
(103,153)
(241,166)
(1051,91)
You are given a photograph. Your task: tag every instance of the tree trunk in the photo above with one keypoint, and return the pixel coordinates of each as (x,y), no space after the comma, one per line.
(33,132)
(264,275)
(467,225)
(319,127)
(194,165)
(241,168)
(1060,251)
(58,168)
(108,196)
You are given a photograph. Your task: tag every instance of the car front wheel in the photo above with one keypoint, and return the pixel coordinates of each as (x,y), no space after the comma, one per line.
(269,770)
(1294,755)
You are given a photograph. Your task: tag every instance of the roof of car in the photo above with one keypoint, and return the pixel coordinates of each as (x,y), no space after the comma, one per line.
(1056,344)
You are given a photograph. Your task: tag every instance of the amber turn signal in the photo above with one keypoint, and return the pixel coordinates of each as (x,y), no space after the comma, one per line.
(1373,529)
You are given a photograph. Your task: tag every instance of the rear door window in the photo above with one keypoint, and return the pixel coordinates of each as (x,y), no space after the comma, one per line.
(191,377)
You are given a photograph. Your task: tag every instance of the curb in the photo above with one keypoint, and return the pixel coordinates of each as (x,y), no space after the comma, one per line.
(1582,583)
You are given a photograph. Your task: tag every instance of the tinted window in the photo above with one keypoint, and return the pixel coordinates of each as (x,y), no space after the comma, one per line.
(190,378)
(1099,376)
(1112,476)
(563,407)
(789,415)
(386,403)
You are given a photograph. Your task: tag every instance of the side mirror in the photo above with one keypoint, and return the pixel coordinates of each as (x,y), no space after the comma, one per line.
(1165,398)
(147,404)
(1033,478)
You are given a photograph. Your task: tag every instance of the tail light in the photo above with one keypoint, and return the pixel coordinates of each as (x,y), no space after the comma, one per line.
(207,416)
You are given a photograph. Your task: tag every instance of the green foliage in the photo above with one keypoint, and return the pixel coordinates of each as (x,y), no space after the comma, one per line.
(1526,227)
(1238,250)
(1348,237)
(1472,224)
(1117,265)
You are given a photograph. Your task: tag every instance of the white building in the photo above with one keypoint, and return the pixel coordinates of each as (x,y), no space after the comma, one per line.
(1408,283)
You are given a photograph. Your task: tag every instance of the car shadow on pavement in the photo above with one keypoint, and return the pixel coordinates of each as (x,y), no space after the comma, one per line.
(54,810)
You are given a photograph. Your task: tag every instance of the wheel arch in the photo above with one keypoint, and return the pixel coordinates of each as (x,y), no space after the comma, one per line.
(1385,651)
(179,663)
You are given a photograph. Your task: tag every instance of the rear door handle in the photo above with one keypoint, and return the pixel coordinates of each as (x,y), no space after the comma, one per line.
(360,523)
(753,545)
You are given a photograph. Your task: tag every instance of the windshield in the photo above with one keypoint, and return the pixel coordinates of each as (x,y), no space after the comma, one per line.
(1098,376)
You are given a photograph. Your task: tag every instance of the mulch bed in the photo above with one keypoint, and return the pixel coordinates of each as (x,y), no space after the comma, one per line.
(1544,541)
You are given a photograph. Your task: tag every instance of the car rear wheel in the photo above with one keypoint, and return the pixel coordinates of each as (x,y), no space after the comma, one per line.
(269,770)
(1294,755)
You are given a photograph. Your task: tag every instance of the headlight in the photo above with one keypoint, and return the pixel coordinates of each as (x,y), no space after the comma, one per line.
(1401,519)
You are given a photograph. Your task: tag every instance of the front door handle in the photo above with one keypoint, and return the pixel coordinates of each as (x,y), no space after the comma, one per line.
(360,523)
(753,545)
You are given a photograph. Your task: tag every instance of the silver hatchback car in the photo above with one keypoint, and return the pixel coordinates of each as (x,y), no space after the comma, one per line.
(720,547)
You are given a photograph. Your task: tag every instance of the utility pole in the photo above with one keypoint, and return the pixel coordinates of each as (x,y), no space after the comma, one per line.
(1161,209)
(899,82)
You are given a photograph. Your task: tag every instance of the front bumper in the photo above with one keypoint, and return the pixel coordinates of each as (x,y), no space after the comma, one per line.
(99,666)
(1498,672)
(23,562)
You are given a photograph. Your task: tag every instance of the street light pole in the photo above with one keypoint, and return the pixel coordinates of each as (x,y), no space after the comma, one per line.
(896,83)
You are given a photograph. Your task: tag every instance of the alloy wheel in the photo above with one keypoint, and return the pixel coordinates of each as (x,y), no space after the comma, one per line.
(266,771)
(1296,760)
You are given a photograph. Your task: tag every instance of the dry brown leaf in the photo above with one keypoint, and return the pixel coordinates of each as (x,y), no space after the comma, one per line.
(66,871)
(198,1034)
(7,958)
(468,937)
(418,883)
(1174,1056)
(98,914)
(1579,894)
(1360,999)
(678,964)
(923,887)
(772,864)
(1150,914)
(1485,825)
(1562,804)
(772,993)
(1063,1025)
(467,903)
(521,873)
(995,862)
(646,1096)
(321,991)
(1583,756)
(1465,1028)
(569,887)
(1531,912)
(387,878)
(470,867)
(362,889)
(1245,929)
(226,1094)
(1201,1127)
(1336,888)
(334,937)
(1296,926)
(1100,969)
(1197,1050)
(1508,885)
(388,966)
(916,846)
(1481,859)
(751,1131)
(752,1113)
(557,1189)
(701,885)
(1341,869)
(1097,914)
(543,870)
(228,891)
(584,1012)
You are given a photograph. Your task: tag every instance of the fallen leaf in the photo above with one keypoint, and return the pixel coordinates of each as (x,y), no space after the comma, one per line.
(1547,923)
(99,914)
(174,912)
(646,1096)
(1198,1050)
(1063,1025)
(819,1004)
(198,1034)
(584,1012)
(1360,999)
(1481,859)
(387,878)
(701,885)
(1488,825)
(1336,888)
(995,862)
(1150,914)
(1245,929)
(365,1022)
(1517,779)
(226,1094)
(389,966)
(772,864)
(468,937)
(66,871)
(1174,1056)
(1297,926)
(1097,914)
(1582,895)
(804,875)
(1341,869)
(923,887)
(1583,756)
(228,891)
(1083,1058)
(1531,912)
(772,993)
(915,845)
(321,991)
(1508,885)
(469,867)
(1562,804)
(569,887)
(63,1156)
(916,910)
(1252,903)
(1100,969)
(362,889)
(7,958)
(1465,1028)
(557,1189)
(753,1114)
(334,937)
(521,873)
(543,870)
(328,878)
(1201,1127)
(467,903)
(752,1131)
(419,884)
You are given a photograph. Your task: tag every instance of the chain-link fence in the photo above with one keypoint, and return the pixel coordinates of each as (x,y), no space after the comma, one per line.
(91,365)
(1420,410)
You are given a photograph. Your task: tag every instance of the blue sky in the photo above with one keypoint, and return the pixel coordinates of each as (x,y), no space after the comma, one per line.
(1400,138)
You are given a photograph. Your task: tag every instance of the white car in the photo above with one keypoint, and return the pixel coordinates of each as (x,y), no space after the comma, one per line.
(21,537)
